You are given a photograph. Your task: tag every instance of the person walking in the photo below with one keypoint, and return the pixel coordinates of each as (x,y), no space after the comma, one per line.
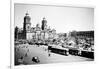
(49,51)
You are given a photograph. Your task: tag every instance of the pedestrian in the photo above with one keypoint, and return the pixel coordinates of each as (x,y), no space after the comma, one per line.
(49,54)
(26,55)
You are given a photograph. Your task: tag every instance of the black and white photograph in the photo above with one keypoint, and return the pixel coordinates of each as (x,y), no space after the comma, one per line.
(45,34)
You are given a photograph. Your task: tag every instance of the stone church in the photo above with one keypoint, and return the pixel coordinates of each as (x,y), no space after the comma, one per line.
(42,32)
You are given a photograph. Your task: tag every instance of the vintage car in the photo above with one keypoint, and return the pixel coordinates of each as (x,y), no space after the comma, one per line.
(35,59)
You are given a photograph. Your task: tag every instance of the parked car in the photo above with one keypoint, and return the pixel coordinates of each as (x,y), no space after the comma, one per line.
(35,59)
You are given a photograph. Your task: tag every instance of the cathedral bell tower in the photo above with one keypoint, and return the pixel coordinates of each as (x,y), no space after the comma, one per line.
(26,25)
(44,24)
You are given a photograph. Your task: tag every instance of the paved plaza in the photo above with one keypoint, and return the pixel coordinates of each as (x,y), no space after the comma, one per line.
(29,51)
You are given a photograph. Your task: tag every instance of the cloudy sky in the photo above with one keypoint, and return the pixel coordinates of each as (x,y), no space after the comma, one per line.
(61,18)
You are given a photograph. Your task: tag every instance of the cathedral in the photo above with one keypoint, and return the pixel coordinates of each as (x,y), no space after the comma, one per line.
(38,32)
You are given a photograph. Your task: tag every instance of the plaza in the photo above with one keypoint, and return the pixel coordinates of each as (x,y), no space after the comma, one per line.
(42,53)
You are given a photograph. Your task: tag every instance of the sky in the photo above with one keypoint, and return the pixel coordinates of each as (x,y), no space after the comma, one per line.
(61,18)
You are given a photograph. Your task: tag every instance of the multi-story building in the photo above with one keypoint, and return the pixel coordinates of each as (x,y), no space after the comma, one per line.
(82,34)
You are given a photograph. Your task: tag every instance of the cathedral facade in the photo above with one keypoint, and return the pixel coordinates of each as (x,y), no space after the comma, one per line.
(38,32)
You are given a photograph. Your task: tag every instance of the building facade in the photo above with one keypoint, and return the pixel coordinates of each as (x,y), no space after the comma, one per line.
(38,32)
